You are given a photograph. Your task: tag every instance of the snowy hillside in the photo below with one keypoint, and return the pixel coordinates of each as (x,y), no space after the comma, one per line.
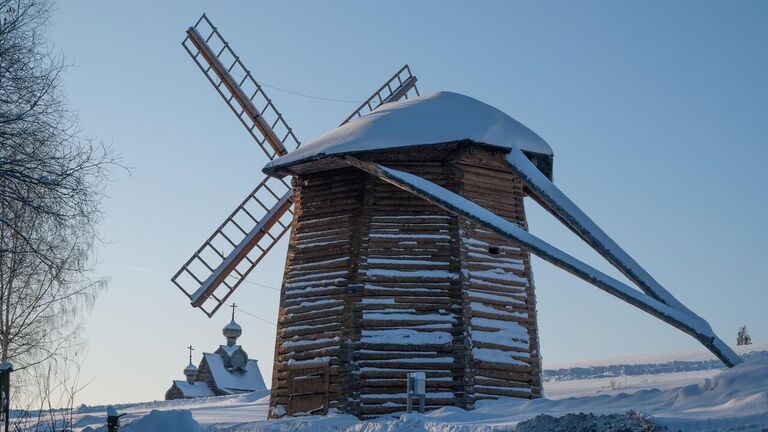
(699,399)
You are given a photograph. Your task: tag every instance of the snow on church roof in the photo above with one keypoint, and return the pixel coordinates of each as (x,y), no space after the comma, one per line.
(431,119)
(194,389)
(234,381)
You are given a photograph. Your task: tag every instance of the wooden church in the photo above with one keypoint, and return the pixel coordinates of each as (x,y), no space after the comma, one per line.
(226,371)
(379,283)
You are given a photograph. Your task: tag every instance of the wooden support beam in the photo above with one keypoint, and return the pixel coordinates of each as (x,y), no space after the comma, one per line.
(553,200)
(456,204)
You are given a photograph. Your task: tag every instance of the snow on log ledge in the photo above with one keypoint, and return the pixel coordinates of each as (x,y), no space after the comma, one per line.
(425,120)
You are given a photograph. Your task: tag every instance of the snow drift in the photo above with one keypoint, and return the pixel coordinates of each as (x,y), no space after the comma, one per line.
(733,399)
(166,421)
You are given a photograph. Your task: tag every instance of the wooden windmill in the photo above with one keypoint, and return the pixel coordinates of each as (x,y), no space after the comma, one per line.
(408,251)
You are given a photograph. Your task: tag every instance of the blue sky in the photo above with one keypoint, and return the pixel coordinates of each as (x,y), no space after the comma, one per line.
(656,112)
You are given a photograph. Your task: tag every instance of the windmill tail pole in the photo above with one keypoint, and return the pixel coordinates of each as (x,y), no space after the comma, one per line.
(456,204)
(555,201)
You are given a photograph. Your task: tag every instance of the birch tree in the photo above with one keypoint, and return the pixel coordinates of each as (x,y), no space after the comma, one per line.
(52,179)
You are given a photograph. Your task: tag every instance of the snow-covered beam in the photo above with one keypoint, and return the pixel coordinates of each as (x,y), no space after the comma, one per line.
(454,203)
(555,201)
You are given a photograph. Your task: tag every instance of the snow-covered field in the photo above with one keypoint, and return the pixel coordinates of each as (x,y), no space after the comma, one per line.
(696,400)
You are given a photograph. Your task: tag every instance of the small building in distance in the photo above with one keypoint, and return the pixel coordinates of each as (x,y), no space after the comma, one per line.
(226,371)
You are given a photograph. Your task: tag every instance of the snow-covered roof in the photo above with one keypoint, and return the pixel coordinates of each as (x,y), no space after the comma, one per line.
(4,366)
(195,389)
(230,349)
(431,119)
(234,381)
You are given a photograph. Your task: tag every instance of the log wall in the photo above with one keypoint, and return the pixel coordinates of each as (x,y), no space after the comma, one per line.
(410,290)
(379,283)
(314,300)
(498,283)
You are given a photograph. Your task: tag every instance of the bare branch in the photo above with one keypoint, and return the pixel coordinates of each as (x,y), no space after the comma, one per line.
(52,180)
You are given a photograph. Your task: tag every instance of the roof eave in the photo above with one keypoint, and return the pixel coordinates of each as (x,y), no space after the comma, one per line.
(543,161)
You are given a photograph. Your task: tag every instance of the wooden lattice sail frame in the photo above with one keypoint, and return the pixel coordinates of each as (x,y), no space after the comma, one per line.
(218,267)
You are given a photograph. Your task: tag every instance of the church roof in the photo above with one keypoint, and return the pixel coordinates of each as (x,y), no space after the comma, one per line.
(193,390)
(425,120)
(234,381)
(230,349)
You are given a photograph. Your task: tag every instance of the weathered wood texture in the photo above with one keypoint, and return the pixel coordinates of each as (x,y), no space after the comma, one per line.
(498,286)
(174,393)
(318,268)
(379,283)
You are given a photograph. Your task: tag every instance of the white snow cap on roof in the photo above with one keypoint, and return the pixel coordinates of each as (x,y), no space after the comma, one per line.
(194,389)
(235,381)
(431,119)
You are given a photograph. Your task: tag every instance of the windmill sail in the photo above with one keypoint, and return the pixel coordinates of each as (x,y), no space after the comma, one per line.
(218,267)
(399,86)
(242,93)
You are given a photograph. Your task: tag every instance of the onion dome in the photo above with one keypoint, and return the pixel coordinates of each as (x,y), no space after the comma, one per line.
(190,370)
(232,330)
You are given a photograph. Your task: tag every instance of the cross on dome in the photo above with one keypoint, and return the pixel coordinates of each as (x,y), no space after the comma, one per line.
(232,331)
(191,370)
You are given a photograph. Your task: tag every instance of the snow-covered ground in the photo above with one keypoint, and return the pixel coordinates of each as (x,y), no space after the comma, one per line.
(697,400)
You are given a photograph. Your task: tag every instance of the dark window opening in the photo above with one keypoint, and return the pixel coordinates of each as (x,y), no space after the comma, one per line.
(493,250)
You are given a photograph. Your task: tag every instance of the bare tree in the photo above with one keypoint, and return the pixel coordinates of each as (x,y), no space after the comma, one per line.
(50,407)
(41,300)
(46,165)
(52,180)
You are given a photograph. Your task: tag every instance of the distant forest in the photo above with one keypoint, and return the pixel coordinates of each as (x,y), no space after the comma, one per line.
(587,372)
